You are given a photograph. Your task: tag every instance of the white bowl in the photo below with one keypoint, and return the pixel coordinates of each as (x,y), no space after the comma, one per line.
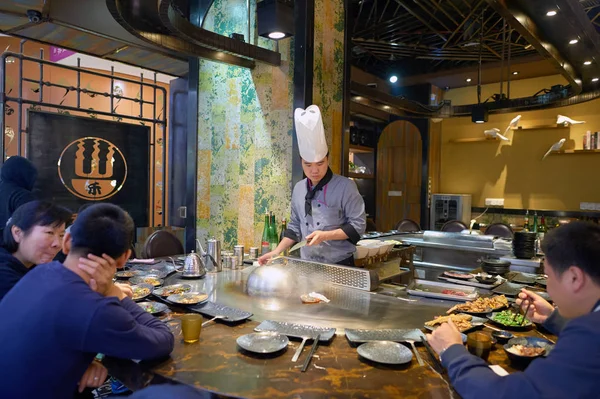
(369,242)
(361,252)
(388,247)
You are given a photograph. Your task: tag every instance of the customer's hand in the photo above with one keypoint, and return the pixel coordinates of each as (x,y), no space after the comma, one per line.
(125,289)
(266,257)
(94,376)
(444,337)
(118,292)
(540,308)
(100,269)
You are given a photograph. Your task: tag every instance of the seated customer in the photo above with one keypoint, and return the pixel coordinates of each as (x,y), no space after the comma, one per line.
(53,323)
(572,369)
(33,235)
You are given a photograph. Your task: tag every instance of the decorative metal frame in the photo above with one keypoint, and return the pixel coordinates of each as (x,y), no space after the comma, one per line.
(6,100)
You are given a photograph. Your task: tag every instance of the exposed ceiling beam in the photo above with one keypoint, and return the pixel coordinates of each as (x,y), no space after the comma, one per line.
(527,28)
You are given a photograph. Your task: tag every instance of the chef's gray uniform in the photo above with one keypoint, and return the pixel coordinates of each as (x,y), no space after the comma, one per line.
(337,205)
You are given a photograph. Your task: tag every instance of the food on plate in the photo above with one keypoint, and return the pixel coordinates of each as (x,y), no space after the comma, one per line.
(454,292)
(189,298)
(523,350)
(509,318)
(309,299)
(174,289)
(149,307)
(140,292)
(462,321)
(460,275)
(151,280)
(481,305)
(126,273)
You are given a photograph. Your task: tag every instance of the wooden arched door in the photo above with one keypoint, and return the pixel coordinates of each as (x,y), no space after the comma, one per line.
(399,164)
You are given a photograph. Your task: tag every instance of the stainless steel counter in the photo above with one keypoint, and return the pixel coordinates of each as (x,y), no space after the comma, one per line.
(437,251)
(349,308)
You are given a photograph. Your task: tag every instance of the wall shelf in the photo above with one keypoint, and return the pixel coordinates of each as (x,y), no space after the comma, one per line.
(474,140)
(540,127)
(361,149)
(574,152)
(360,175)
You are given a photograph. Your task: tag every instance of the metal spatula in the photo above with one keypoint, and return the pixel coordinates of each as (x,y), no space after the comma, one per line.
(299,245)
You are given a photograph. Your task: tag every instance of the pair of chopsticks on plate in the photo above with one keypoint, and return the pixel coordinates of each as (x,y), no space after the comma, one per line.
(313,348)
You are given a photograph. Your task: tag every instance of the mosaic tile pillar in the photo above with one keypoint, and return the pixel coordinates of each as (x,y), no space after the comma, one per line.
(245,138)
(329,73)
(245,122)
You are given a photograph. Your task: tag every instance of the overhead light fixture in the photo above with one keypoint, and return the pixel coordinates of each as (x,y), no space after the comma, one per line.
(358,98)
(529,46)
(515,72)
(275,18)
(393,79)
(573,41)
(468,80)
(551,13)
(479,114)
(587,63)
(595,80)
(394,44)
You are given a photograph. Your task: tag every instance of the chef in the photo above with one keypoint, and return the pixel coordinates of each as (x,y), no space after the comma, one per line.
(327,209)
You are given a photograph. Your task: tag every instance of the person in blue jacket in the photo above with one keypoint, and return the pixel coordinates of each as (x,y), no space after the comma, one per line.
(59,316)
(572,369)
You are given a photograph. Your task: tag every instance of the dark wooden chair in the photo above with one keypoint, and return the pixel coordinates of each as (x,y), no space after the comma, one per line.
(499,230)
(454,226)
(407,226)
(162,243)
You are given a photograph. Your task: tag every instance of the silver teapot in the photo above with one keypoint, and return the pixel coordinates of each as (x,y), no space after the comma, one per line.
(194,266)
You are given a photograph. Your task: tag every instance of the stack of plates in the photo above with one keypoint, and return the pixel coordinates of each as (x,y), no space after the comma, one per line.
(495,266)
(524,245)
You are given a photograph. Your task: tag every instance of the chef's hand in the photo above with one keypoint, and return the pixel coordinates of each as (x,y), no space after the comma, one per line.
(540,308)
(266,257)
(317,237)
(100,269)
(444,337)
(94,376)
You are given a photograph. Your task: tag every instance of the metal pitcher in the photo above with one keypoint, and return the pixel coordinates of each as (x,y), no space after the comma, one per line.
(213,255)
(194,266)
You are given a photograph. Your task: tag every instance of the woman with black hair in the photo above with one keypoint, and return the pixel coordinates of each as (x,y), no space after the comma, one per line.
(32,236)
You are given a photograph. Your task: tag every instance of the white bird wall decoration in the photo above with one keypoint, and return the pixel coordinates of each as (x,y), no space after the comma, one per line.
(513,124)
(495,133)
(565,120)
(555,147)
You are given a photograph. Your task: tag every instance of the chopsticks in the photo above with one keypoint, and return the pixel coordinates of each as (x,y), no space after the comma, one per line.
(311,353)
(436,362)
(526,311)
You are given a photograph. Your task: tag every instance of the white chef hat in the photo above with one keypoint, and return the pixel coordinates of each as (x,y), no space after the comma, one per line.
(310,133)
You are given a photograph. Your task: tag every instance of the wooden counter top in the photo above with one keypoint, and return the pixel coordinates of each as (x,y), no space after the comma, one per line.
(215,363)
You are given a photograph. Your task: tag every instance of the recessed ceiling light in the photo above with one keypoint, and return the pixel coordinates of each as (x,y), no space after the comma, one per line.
(468,80)
(276,35)
(587,63)
(595,80)
(358,98)
(551,13)
(574,41)
(515,72)
(393,79)
(394,44)
(528,47)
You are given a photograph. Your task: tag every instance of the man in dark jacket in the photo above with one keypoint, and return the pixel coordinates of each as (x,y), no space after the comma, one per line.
(572,369)
(17,177)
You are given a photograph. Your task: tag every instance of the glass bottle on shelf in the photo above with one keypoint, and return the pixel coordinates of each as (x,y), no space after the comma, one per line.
(265,243)
(535,223)
(542,228)
(273,236)
(281,233)
(526,224)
